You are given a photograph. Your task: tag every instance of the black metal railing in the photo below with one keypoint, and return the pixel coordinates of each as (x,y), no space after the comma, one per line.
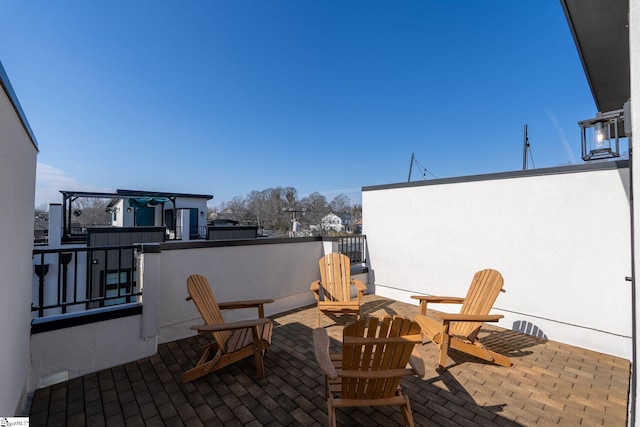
(355,247)
(71,280)
(74,234)
(195,232)
(40,237)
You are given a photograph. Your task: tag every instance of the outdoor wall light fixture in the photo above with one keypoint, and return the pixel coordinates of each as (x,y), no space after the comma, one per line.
(601,136)
(128,210)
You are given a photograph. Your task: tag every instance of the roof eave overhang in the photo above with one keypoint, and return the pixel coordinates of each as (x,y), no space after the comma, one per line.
(600,31)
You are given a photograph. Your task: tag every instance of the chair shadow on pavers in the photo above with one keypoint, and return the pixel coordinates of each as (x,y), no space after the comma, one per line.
(529,329)
(511,344)
(447,392)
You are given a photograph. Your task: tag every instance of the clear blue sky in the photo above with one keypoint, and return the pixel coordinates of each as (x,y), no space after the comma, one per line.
(226,97)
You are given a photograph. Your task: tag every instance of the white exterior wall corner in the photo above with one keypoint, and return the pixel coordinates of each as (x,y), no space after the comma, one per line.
(634,56)
(560,241)
(18,156)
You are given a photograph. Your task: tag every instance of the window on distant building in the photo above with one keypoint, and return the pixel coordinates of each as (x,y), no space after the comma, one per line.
(119,284)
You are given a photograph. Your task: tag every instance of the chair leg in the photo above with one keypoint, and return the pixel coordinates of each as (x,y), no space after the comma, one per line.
(444,346)
(257,350)
(406,412)
(201,369)
(331,414)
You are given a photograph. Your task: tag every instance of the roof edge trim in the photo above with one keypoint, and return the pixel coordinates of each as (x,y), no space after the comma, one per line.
(6,85)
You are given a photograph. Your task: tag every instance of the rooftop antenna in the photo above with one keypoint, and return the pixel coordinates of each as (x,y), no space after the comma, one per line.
(424,170)
(413,155)
(526,149)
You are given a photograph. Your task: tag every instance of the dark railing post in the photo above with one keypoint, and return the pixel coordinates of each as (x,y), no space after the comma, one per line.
(64,258)
(41,271)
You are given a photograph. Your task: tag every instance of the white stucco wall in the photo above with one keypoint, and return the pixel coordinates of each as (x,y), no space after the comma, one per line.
(281,271)
(87,348)
(560,241)
(17,193)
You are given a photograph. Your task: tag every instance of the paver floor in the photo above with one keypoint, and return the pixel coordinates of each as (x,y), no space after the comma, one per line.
(549,383)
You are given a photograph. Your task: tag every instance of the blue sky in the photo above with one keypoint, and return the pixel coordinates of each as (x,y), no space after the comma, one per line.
(226,97)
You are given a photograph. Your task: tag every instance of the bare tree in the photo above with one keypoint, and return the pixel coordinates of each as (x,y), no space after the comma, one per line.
(340,205)
(275,207)
(356,212)
(236,210)
(89,211)
(316,206)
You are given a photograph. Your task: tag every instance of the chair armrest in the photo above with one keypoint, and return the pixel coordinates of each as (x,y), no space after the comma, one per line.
(438,299)
(315,287)
(243,324)
(359,284)
(321,349)
(452,317)
(417,363)
(229,305)
(424,299)
(256,303)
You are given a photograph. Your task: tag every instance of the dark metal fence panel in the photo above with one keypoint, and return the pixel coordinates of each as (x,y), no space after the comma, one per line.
(195,232)
(354,247)
(71,280)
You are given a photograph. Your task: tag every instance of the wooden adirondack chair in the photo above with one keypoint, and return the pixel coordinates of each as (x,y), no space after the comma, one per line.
(375,354)
(459,331)
(333,290)
(231,341)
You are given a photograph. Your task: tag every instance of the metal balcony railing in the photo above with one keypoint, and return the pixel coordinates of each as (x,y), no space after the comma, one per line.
(80,279)
(195,232)
(354,247)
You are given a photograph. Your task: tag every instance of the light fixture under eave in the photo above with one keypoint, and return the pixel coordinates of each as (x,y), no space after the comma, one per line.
(601,136)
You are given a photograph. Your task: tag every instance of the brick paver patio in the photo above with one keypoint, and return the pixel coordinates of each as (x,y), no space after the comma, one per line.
(549,384)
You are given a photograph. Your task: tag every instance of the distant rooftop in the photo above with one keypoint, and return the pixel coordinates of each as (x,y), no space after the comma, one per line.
(119,194)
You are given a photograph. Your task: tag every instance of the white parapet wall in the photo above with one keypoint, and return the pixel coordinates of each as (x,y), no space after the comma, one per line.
(282,272)
(560,237)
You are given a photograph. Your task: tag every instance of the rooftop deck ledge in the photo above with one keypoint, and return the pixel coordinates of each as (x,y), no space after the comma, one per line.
(60,321)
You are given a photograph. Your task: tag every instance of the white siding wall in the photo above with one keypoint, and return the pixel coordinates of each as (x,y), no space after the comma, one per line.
(560,241)
(17,200)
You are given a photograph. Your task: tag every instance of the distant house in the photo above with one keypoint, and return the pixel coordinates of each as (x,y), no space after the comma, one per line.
(346,221)
(357,226)
(155,209)
(332,222)
(181,215)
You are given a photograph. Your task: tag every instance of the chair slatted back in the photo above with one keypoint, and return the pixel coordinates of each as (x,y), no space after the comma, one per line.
(375,354)
(482,294)
(202,296)
(335,273)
